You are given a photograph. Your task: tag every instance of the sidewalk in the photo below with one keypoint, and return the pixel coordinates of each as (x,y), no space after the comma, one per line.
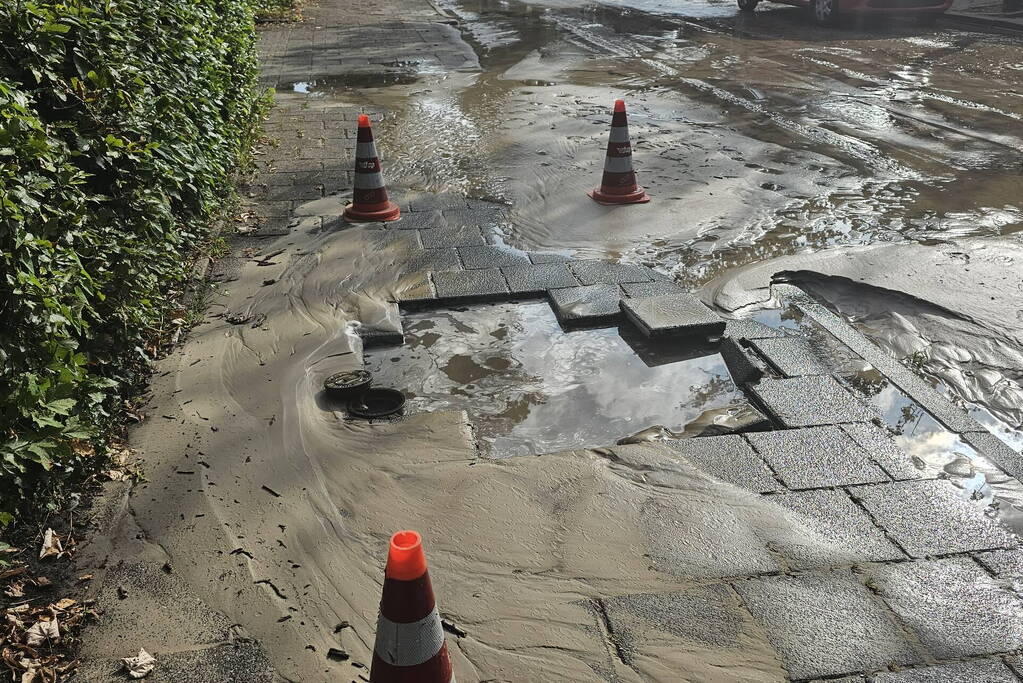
(990,13)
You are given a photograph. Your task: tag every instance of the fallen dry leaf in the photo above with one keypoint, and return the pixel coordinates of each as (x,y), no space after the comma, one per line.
(140,666)
(65,604)
(43,632)
(15,590)
(51,545)
(43,582)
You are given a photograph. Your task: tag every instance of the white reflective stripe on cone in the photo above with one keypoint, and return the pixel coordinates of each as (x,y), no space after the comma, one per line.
(409,644)
(365,150)
(619,134)
(368,181)
(618,164)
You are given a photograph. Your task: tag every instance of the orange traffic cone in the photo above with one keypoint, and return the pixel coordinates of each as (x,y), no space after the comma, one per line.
(618,185)
(369,200)
(410,645)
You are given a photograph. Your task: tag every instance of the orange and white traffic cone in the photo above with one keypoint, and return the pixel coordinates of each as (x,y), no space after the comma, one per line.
(369,200)
(618,186)
(410,645)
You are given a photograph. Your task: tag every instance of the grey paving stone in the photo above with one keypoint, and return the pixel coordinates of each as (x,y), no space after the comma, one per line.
(672,314)
(837,530)
(741,365)
(639,290)
(470,284)
(1007,564)
(548,257)
(424,220)
(641,623)
(487,217)
(439,202)
(744,328)
(416,289)
(816,457)
(537,278)
(791,356)
(955,608)
(607,272)
(997,451)
(593,305)
(728,458)
(452,237)
(977,671)
(491,257)
(883,449)
(807,401)
(240,661)
(931,517)
(420,260)
(825,624)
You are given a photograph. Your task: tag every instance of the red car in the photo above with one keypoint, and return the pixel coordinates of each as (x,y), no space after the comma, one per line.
(828,12)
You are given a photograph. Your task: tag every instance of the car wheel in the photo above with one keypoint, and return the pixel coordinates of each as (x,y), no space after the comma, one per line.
(825,12)
(748,5)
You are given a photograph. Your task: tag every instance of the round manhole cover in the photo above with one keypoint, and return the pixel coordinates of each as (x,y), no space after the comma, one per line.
(347,383)
(377,403)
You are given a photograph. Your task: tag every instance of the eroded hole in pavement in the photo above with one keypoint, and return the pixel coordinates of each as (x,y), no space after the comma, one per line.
(530,388)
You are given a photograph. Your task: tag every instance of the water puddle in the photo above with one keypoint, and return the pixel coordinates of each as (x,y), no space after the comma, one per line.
(530,388)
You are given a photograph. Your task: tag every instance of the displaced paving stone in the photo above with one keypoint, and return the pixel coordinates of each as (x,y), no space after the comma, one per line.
(728,458)
(741,365)
(431,259)
(673,314)
(997,451)
(883,449)
(744,328)
(791,356)
(931,517)
(825,624)
(606,272)
(953,605)
(808,401)
(593,305)
(833,520)
(470,284)
(1007,564)
(451,237)
(977,671)
(415,289)
(639,290)
(491,257)
(538,278)
(816,457)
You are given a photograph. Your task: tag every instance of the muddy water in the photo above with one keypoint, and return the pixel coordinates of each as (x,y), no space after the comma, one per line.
(530,389)
(758,136)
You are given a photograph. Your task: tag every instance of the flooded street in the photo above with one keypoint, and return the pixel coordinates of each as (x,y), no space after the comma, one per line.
(758,136)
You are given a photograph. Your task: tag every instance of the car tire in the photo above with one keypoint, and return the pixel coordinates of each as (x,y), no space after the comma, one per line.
(747,5)
(824,12)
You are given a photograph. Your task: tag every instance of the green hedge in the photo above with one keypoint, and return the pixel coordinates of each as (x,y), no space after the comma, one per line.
(121,122)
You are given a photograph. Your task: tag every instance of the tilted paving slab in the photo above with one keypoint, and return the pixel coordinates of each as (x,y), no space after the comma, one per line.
(977,671)
(792,357)
(943,410)
(607,272)
(883,449)
(741,364)
(672,315)
(745,328)
(953,606)
(825,624)
(1006,564)
(816,457)
(638,290)
(537,278)
(415,290)
(728,458)
(997,451)
(592,305)
(809,401)
(932,517)
(840,530)
(470,284)
(491,256)
(451,237)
